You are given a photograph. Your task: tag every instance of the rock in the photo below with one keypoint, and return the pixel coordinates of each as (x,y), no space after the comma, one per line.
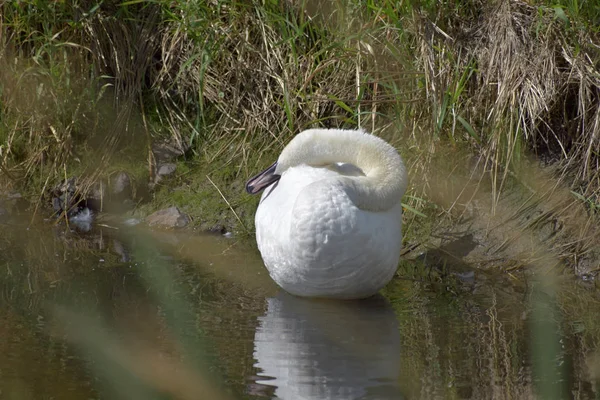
(218,229)
(168,150)
(73,195)
(121,193)
(96,197)
(65,197)
(163,171)
(131,221)
(57,205)
(164,153)
(82,220)
(168,218)
(121,185)
(166,169)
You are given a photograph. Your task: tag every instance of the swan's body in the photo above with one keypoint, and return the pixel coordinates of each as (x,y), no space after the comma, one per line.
(332,224)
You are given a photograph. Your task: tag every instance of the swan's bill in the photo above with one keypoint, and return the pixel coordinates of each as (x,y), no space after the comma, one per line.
(262,180)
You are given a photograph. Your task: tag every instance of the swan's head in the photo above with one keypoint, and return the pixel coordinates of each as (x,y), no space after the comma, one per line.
(302,149)
(385,176)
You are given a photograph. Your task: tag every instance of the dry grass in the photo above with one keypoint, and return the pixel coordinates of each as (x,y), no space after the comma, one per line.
(530,83)
(506,79)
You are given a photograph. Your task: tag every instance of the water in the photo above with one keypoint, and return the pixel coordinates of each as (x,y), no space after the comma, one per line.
(126,314)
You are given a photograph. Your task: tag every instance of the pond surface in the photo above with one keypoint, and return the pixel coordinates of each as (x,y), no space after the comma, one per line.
(124,314)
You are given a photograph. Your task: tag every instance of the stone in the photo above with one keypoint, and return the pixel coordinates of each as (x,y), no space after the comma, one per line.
(121,185)
(168,218)
(131,221)
(57,205)
(82,220)
(66,197)
(218,229)
(163,171)
(96,197)
(166,169)
(168,150)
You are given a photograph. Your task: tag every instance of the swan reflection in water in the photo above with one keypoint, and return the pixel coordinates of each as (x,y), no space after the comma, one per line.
(326,349)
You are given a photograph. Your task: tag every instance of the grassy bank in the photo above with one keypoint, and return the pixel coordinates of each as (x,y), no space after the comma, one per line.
(481,98)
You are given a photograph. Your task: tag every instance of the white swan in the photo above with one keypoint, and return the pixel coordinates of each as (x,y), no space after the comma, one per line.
(330,222)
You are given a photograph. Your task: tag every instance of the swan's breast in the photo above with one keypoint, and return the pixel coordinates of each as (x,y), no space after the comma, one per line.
(274,235)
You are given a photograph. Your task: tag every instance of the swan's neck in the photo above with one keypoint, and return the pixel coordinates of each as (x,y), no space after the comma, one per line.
(385,177)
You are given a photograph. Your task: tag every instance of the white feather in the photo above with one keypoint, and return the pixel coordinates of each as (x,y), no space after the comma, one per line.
(330,230)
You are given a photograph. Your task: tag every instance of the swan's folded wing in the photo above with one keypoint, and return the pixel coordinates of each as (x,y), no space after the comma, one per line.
(339,243)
